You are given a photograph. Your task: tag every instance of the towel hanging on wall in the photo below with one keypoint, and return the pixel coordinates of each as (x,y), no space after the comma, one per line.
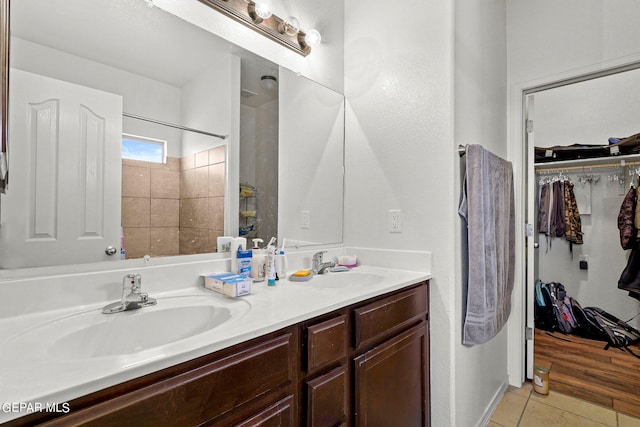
(488,208)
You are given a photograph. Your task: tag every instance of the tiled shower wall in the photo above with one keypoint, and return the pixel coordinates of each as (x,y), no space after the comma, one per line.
(202,200)
(173,208)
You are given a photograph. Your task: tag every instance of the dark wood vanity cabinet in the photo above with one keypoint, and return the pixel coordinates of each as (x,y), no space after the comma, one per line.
(368,364)
(362,365)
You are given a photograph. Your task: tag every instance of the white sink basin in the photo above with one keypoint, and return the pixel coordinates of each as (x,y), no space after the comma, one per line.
(345,279)
(93,334)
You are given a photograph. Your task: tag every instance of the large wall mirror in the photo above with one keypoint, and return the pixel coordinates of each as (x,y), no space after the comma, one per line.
(132,132)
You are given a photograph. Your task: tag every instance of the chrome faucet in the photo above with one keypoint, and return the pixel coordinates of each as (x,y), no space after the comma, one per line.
(132,296)
(319,267)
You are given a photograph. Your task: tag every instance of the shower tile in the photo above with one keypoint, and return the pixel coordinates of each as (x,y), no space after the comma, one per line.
(138,163)
(165,184)
(216,180)
(136,242)
(188,162)
(202,159)
(201,188)
(172,164)
(187,213)
(216,213)
(200,213)
(188,184)
(217,155)
(165,241)
(135,212)
(193,240)
(165,212)
(136,181)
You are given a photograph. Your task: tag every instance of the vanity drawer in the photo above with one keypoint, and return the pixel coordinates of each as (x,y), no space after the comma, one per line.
(389,315)
(326,342)
(200,395)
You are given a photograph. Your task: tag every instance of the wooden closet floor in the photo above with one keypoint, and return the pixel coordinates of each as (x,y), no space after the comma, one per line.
(581,368)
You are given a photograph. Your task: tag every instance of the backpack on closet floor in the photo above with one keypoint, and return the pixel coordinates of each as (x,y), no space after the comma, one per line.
(545,317)
(587,327)
(551,314)
(617,332)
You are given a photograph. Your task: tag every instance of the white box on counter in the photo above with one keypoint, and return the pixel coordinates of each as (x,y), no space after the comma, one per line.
(230,284)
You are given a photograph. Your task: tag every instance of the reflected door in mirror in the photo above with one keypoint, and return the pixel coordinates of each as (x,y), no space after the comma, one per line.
(64,207)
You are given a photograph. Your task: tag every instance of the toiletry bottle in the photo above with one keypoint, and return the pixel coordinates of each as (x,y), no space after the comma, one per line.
(271,266)
(244,262)
(257,261)
(281,264)
(237,242)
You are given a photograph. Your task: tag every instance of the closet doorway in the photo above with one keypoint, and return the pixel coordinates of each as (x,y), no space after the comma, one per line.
(586,110)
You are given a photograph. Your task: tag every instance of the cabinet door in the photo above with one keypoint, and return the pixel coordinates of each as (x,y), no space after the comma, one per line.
(391,382)
(277,415)
(326,343)
(327,399)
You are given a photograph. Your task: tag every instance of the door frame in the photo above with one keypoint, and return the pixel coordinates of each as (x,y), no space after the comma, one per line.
(522,159)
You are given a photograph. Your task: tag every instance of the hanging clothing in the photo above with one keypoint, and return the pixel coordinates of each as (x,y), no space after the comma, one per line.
(558,214)
(572,223)
(543,209)
(557,228)
(627,219)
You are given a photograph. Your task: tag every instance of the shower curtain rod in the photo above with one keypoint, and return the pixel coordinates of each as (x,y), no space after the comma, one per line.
(146,119)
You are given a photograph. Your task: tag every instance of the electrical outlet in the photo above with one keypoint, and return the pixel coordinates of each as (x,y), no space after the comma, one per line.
(306,220)
(395,221)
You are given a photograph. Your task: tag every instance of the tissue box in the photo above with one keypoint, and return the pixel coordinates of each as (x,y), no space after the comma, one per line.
(229,284)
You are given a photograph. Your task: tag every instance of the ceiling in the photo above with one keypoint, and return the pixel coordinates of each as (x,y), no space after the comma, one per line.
(130,35)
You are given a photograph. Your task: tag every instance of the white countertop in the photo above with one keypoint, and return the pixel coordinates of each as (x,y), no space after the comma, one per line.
(32,375)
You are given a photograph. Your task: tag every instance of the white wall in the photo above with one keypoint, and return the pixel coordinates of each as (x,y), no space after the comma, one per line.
(548,37)
(402,81)
(141,96)
(206,105)
(266,169)
(480,118)
(311,153)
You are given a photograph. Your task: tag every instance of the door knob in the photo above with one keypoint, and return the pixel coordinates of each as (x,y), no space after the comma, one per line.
(536,245)
(110,251)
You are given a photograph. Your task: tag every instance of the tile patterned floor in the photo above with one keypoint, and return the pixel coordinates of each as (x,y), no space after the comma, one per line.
(522,407)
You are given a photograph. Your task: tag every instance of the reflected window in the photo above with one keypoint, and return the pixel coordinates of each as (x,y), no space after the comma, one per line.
(142,148)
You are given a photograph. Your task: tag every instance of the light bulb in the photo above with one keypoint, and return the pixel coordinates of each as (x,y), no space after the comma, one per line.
(291,25)
(312,38)
(262,10)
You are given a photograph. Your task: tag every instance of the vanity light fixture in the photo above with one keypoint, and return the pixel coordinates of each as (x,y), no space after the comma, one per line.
(258,17)
(268,82)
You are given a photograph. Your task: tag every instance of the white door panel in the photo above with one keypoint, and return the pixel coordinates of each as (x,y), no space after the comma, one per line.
(65,155)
